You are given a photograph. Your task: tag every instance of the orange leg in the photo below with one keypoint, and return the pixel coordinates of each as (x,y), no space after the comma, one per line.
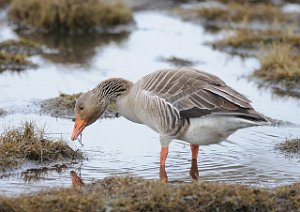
(76,180)
(163,157)
(194,173)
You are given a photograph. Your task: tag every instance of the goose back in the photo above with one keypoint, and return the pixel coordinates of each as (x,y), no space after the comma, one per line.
(194,93)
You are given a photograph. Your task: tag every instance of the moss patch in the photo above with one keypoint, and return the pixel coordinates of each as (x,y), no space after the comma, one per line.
(289,147)
(27,143)
(68,15)
(135,194)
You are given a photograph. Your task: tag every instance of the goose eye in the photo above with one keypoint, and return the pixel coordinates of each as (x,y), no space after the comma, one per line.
(80,107)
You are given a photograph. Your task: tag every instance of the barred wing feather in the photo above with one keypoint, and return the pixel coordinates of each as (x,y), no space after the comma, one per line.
(195,93)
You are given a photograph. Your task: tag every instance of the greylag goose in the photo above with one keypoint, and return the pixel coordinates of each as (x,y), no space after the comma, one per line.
(186,104)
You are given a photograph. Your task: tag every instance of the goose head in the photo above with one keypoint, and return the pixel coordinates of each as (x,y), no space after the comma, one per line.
(92,104)
(89,107)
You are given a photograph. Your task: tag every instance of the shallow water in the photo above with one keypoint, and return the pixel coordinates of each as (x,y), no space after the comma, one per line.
(117,146)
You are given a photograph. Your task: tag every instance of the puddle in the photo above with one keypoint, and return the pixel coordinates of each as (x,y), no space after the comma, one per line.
(247,157)
(74,48)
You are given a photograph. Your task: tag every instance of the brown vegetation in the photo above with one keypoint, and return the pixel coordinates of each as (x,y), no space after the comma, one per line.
(289,147)
(249,39)
(27,143)
(281,63)
(68,15)
(13,54)
(15,62)
(22,46)
(241,12)
(135,194)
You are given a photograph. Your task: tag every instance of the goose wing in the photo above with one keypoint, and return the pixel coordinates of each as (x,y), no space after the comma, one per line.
(195,93)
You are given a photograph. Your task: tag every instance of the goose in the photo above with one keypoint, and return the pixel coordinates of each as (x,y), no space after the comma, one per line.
(185,104)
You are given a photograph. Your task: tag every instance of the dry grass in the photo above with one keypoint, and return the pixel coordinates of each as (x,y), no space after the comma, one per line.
(241,12)
(14,62)
(280,64)
(13,54)
(21,42)
(68,15)
(279,55)
(21,47)
(243,1)
(289,147)
(135,194)
(27,143)
(248,39)
(7,58)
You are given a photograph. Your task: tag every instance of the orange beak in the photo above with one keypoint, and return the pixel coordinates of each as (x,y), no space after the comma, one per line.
(78,128)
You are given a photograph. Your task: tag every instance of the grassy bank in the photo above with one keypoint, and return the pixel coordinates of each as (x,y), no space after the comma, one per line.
(135,194)
(68,15)
(241,12)
(255,40)
(29,144)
